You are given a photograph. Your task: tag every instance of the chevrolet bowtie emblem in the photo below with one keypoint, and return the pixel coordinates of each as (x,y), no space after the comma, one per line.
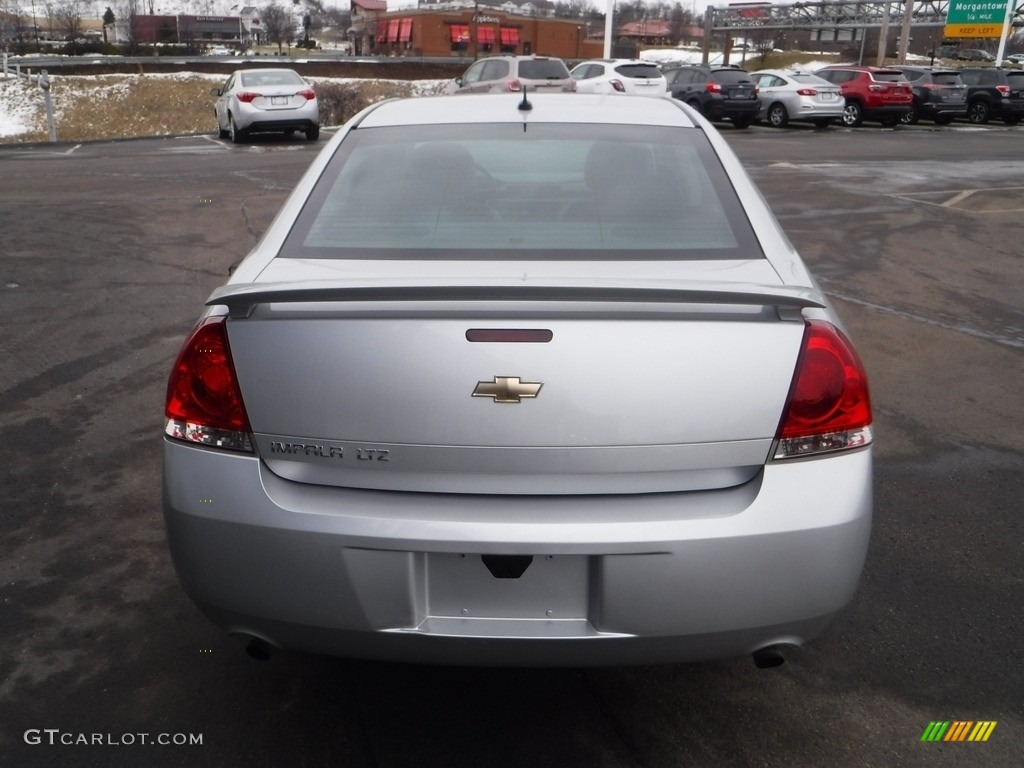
(507,389)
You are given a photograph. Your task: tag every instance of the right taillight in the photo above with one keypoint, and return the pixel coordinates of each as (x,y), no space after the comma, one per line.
(829,408)
(204,402)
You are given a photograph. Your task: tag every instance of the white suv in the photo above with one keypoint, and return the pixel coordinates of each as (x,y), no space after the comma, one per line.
(629,76)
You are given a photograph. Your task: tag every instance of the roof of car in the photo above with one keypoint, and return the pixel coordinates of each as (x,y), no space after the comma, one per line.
(617,61)
(858,68)
(710,67)
(545,108)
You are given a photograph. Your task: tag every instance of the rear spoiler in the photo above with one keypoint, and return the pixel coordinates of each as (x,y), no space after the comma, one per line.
(241,300)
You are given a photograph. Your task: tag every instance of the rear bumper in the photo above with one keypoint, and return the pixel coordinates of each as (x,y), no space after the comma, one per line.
(931,110)
(253,120)
(613,579)
(719,110)
(274,126)
(888,111)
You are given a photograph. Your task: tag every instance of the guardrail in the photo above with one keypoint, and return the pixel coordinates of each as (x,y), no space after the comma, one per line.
(43,81)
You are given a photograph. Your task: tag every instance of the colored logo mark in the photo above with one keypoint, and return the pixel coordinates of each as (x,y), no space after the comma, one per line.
(958,730)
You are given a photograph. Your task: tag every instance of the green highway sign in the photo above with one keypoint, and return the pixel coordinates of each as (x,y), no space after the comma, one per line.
(975,18)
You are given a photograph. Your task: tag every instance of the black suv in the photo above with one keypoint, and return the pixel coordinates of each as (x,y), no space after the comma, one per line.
(716,92)
(939,94)
(994,92)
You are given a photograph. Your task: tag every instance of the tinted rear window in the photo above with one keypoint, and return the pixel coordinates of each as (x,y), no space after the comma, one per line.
(947,78)
(554,192)
(257,78)
(549,69)
(731,76)
(641,71)
(888,77)
(810,80)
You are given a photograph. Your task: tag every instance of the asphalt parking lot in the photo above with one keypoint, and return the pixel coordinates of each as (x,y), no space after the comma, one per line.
(106,254)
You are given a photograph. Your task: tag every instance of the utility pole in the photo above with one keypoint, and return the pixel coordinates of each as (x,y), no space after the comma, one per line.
(908,12)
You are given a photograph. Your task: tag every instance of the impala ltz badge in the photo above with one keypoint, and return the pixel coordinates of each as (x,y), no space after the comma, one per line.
(507,389)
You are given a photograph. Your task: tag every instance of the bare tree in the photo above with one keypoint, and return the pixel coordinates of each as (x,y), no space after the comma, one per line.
(67,16)
(125,12)
(679,19)
(278,24)
(572,9)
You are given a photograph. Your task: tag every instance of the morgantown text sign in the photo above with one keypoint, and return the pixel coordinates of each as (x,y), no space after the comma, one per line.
(975,18)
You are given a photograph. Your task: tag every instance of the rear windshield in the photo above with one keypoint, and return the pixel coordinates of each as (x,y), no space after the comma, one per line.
(497,191)
(947,78)
(279,77)
(809,79)
(888,77)
(545,69)
(731,76)
(639,71)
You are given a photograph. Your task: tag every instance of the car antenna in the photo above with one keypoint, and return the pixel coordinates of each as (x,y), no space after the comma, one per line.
(524,105)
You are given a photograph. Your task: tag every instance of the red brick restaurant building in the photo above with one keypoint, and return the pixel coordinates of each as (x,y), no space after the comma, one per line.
(465,32)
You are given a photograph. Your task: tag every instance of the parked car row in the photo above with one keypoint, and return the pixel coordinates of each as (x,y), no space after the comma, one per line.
(848,94)
(263,100)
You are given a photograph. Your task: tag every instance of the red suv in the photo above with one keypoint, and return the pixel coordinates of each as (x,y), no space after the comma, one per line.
(871,93)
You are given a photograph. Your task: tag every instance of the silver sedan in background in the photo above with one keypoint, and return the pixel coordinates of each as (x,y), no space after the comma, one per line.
(787,96)
(521,381)
(266,101)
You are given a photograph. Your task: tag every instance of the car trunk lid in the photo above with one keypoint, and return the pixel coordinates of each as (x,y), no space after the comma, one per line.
(488,386)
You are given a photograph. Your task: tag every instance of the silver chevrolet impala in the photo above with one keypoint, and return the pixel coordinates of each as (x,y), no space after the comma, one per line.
(521,381)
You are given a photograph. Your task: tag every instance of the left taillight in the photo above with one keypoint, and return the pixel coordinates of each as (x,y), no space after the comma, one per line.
(246,96)
(829,408)
(204,402)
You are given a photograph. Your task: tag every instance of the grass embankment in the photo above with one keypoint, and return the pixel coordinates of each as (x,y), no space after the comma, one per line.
(124,106)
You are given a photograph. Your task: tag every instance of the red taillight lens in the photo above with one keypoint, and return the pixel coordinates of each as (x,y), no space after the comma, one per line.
(514,85)
(246,96)
(829,407)
(1003,89)
(713,87)
(307,94)
(617,85)
(204,403)
(807,92)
